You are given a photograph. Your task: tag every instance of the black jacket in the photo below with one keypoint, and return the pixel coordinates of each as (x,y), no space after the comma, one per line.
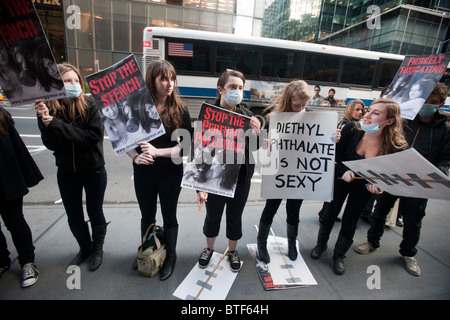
(431,140)
(18,171)
(77,146)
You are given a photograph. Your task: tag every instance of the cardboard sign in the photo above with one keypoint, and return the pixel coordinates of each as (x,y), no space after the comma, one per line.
(406,174)
(28,70)
(218,151)
(304,152)
(127,108)
(415,80)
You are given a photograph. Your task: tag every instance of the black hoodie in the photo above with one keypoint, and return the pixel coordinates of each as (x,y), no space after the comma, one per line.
(430,139)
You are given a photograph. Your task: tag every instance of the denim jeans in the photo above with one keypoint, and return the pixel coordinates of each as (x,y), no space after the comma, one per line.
(71,185)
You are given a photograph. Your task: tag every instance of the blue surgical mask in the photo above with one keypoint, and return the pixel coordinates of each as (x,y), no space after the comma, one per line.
(427,110)
(233,97)
(73,90)
(370,128)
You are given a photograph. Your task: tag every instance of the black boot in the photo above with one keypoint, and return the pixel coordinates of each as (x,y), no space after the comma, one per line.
(83,237)
(98,238)
(171,235)
(292,232)
(322,239)
(263,234)
(342,246)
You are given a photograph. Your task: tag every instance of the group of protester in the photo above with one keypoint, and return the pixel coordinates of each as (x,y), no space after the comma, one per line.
(72,128)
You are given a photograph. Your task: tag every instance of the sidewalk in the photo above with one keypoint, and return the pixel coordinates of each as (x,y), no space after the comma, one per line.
(115,279)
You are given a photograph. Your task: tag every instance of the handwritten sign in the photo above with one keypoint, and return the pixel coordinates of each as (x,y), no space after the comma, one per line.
(305,156)
(405,173)
(415,80)
(127,108)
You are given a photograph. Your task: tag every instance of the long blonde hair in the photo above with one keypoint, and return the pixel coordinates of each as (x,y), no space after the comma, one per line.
(174,108)
(77,107)
(295,90)
(392,138)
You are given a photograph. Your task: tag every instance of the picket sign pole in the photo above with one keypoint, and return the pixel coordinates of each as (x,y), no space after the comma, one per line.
(214,270)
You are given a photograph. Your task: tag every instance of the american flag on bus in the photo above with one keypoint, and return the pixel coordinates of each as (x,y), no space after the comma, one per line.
(179,49)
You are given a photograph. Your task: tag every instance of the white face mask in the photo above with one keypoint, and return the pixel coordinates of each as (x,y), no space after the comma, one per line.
(233,97)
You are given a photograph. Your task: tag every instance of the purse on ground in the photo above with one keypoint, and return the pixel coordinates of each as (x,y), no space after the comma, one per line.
(152,251)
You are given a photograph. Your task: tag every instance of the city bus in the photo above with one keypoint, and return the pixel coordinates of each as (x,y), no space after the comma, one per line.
(268,65)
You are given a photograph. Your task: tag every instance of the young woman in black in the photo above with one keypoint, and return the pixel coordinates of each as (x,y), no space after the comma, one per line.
(18,172)
(155,171)
(72,128)
(230,87)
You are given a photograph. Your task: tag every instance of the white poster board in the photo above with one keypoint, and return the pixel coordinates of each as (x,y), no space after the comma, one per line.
(304,153)
(211,283)
(283,270)
(405,173)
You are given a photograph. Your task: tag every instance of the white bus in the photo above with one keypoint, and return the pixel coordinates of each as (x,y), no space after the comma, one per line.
(268,65)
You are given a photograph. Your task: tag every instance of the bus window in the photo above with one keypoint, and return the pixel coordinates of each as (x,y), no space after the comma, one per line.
(357,71)
(388,72)
(281,64)
(242,58)
(200,62)
(321,68)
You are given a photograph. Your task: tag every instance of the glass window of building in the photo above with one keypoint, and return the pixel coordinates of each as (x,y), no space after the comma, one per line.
(156,15)
(103,34)
(225,23)
(175,2)
(208,20)
(84,34)
(121,26)
(174,17)
(191,19)
(138,23)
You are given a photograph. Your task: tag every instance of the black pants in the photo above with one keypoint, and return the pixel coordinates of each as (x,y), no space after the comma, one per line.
(149,185)
(71,185)
(413,211)
(12,215)
(358,197)
(235,207)
(292,211)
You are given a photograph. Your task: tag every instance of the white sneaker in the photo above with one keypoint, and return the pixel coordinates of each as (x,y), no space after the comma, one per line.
(29,275)
(412,266)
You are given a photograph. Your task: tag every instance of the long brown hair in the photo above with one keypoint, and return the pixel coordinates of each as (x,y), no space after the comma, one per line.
(77,107)
(5,120)
(174,108)
(392,138)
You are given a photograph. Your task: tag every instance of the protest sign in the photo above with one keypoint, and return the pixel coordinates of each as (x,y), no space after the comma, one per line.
(28,70)
(415,80)
(218,151)
(406,173)
(127,108)
(305,156)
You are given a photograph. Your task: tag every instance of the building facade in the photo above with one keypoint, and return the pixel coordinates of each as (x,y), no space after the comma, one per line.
(99,33)
(410,27)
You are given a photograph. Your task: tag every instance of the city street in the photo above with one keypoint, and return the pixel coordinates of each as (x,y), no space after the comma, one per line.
(116,280)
